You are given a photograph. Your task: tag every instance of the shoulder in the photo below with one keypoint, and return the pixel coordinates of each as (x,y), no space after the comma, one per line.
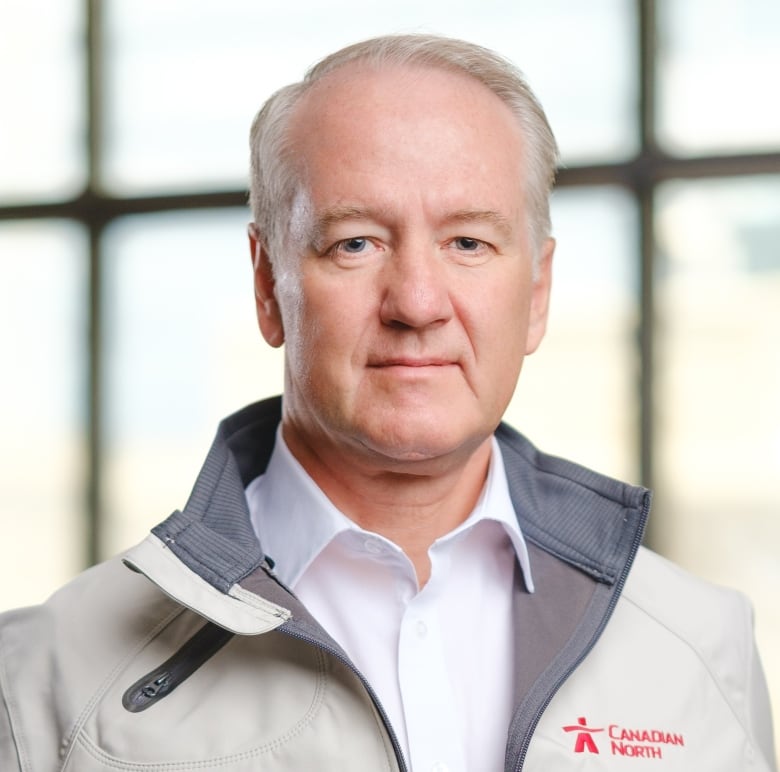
(715,622)
(57,658)
(674,675)
(85,609)
(84,629)
(701,635)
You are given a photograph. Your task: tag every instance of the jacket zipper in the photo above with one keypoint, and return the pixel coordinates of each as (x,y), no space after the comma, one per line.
(333,652)
(211,638)
(286,629)
(605,619)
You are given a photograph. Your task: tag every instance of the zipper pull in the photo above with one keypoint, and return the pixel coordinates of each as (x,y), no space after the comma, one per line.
(152,687)
(176,669)
(155,688)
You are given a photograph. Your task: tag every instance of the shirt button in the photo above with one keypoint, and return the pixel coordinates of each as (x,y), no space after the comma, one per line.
(439,766)
(374,547)
(422,631)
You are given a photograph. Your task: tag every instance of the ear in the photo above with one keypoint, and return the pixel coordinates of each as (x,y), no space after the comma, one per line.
(540,297)
(269,317)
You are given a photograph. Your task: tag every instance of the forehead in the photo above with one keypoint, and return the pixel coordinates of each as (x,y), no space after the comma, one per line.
(409,126)
(404,93)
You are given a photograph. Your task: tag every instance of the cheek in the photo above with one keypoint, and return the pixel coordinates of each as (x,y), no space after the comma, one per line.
(500,321)
(318,329)
(499,340)
(310,311)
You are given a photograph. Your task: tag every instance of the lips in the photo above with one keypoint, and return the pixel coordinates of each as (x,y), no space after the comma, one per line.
(403,361)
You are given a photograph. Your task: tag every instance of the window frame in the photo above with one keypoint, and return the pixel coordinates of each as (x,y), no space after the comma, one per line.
(641,175)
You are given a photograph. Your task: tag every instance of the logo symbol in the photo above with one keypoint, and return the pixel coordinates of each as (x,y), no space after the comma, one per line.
(584,736)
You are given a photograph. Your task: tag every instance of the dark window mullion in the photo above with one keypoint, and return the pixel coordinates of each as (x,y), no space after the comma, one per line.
(645,194)
(94,421)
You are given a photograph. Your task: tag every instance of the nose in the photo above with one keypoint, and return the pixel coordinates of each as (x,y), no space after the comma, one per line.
(415,290)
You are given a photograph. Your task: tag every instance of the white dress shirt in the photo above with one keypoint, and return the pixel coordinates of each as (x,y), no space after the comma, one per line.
(440,658)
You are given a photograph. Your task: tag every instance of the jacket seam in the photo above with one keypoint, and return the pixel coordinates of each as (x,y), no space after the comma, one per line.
(98,694)
(194,560)
(220,761)
(705,664)
(15,726)
(589,568)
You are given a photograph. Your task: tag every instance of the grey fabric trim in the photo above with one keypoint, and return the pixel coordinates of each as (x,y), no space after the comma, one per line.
(553,629)
(591,623)
(213,535)
(547,618)
(583,531)
(586,519)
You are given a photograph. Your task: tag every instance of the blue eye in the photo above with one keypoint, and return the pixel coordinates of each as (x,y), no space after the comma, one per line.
(467,244)
(354,245)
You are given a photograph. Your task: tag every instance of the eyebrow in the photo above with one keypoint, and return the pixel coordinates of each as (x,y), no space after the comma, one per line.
(337,214)
(482,215)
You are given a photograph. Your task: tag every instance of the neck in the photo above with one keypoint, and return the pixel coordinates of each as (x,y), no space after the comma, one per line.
(411,507)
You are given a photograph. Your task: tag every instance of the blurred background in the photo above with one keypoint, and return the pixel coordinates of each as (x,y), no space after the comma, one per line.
(127,324)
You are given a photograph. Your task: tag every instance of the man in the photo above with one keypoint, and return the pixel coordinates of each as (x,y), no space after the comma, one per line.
(374,574)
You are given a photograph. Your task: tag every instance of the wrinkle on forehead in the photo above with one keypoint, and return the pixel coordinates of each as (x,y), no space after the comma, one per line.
(354,104)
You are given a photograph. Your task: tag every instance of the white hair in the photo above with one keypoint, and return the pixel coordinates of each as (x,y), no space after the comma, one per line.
(274,179)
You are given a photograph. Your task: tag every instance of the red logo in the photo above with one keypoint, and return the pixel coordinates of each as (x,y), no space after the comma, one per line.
(584,736)
(630,742)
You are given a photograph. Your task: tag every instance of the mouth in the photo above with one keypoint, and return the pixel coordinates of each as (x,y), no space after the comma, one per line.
(412,362)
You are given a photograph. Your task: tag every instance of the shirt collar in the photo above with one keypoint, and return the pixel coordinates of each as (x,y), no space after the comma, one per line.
(294,520)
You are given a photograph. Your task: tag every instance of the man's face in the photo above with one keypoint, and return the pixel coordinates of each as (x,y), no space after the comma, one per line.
(413,265)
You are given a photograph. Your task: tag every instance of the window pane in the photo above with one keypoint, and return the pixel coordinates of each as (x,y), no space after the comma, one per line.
(42,453)
(589,89)
(182,351)
(182,86)
(41,129)
(719,63)
(719,381)
(576,396)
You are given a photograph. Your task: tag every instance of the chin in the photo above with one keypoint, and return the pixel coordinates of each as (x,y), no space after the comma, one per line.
(423,445)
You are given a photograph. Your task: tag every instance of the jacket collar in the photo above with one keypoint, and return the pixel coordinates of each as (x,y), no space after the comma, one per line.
(589,521)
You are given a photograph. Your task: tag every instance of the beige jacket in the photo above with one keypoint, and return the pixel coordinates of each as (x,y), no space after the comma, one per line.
(199,659)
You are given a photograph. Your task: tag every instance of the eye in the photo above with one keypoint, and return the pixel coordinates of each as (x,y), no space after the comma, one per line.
(352,250)
(467,244)
(352,246)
